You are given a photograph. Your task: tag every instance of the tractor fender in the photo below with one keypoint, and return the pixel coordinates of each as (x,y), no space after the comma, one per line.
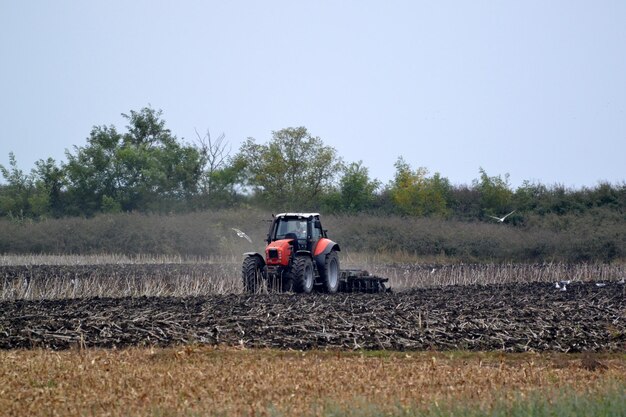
(255,254)
(323,248)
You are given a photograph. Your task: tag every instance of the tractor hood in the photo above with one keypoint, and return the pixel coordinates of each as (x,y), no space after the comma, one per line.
(278,252)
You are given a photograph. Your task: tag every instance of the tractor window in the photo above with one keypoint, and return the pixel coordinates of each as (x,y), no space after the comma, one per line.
(317,231)
(295,226)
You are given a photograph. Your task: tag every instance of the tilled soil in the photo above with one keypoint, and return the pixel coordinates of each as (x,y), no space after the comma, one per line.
(511,317)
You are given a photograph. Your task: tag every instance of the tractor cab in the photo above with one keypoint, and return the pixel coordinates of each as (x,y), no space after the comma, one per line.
(303,229)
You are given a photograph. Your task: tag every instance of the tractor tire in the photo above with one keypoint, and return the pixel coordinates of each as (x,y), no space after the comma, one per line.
(329,274)
(302,275)
(252,274)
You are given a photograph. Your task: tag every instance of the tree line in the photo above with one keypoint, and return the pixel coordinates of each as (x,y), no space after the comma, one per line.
(148,169)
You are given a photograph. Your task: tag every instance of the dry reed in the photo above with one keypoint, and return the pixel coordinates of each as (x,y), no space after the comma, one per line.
(72,276)
(419,274)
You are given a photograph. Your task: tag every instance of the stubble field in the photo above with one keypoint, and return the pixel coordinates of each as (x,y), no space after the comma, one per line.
(201,380)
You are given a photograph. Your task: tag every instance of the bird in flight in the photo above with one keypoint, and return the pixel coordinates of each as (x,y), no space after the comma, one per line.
(501,219)
(242,234)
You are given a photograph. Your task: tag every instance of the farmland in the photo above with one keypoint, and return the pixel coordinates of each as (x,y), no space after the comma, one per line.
(119,336)
(515,308)
(507,317)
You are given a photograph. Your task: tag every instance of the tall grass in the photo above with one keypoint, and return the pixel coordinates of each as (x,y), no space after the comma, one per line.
(563,239)
(207,234)
(202,235)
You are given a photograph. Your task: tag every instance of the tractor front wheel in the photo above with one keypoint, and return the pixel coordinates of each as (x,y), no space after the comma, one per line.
(302,275)
(252,274)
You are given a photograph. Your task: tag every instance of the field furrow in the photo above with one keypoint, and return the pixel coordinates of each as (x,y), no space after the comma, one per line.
(513,317)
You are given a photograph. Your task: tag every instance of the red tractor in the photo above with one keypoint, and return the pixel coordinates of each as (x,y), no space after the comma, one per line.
(299,257)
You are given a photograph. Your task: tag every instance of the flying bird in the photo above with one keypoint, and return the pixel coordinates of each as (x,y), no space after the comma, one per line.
(501,219)
(242,234)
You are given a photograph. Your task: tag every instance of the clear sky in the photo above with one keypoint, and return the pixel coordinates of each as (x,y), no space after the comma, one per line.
(536,89)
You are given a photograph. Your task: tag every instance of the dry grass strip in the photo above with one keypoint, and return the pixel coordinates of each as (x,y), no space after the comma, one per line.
(202,380)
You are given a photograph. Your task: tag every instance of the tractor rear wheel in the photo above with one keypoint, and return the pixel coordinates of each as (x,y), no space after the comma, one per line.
(329,275)
(252,274)
(302,275)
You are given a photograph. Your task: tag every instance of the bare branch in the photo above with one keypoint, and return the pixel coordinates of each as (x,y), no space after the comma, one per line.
(215,154)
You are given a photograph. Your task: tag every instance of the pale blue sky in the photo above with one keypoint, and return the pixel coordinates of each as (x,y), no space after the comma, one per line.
(533,88)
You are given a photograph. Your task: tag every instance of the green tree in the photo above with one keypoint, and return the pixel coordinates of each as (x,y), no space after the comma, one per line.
(49,182)
(437,195)
(32,195)
(95,171)
(15,194)
(416,194)
(495,193)
(607,195)
(294,167)
(528,195)
(465,202)
(143,169)
(225,183)
(356,189)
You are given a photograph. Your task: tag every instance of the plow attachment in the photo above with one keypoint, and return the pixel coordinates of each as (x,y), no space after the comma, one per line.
(357,280)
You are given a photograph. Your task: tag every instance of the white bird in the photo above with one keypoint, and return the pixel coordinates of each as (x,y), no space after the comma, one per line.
(561,285)
(501,219)
(623,281)
(242,234)
(600,284)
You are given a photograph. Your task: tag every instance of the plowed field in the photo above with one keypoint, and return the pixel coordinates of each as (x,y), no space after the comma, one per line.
(512,317)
